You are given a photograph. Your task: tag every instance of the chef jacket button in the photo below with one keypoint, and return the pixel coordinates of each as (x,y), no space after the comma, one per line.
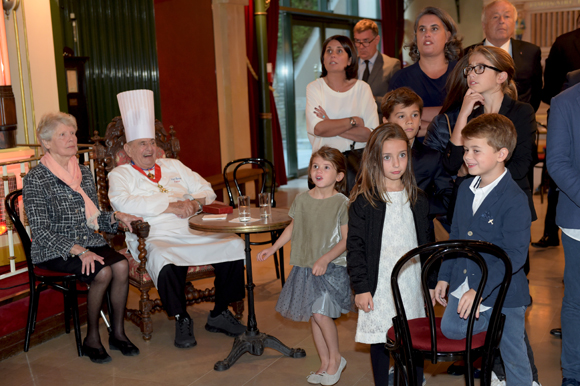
(470,233)
(464,271)
(83,209)
(85,237)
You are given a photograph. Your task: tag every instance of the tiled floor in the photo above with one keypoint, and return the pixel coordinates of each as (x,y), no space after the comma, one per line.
(160,363)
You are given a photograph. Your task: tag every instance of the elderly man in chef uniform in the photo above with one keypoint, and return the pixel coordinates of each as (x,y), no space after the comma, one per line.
(165,193)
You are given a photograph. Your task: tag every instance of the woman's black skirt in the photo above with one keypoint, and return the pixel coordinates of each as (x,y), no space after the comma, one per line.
(74,264)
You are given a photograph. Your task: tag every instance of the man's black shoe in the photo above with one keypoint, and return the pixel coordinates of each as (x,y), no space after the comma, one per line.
(547,241)
(225,323)
(184,332)
(557,332)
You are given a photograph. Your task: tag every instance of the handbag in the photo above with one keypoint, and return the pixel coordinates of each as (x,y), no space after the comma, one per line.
(353,161)
(448,124)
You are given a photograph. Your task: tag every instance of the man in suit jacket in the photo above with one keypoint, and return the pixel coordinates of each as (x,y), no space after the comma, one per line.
(374,68)
(564,168)
(564,57)
(498,19)
(562,71)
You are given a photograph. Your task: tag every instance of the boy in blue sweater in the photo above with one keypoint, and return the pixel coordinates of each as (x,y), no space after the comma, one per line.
(490,207)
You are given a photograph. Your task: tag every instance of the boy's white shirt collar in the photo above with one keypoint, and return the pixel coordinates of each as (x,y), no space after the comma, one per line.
(481,193)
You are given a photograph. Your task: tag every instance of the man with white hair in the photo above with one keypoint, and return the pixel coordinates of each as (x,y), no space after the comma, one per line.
(166,193)
(498,20)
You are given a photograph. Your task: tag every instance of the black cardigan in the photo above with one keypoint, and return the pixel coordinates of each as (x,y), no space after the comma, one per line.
(365,232)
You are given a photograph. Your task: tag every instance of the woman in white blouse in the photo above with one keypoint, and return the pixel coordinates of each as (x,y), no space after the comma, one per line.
(340,110)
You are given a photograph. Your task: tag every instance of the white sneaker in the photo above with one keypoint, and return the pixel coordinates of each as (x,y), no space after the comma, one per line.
(536,384)
(495,380)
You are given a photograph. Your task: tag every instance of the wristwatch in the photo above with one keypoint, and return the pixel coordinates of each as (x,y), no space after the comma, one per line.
(200,206)
(352,122)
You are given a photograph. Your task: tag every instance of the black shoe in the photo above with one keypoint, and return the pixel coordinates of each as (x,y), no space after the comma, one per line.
(225,323)
(97,355)
(126,347)
(547,241)
(184,332)
(557,332)
(456,368)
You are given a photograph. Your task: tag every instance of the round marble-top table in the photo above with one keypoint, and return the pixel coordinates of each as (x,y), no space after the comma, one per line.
(252,341)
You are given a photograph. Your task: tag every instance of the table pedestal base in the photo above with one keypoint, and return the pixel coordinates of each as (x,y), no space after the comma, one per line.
(254,344)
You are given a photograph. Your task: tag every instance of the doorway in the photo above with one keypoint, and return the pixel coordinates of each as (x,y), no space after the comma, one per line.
(298,63)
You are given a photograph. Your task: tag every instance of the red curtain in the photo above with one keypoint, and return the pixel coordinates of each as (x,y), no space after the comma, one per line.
(393,24)
(254,87)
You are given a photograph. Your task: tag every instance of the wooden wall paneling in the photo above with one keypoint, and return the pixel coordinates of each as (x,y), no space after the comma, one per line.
(187,80)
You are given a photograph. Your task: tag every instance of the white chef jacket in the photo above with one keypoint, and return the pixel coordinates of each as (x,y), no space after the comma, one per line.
(170,240)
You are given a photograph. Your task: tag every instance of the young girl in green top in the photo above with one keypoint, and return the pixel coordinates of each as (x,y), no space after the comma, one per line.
(318,286)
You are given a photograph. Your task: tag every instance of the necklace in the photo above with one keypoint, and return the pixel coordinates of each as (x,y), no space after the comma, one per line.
(339,88)
(153,178)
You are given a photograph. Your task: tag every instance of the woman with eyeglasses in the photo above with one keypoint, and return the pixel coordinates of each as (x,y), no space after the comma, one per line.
(340,110)
(491,89)
(435,50)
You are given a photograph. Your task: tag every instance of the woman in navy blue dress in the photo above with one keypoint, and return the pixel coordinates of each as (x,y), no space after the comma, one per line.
(435,50)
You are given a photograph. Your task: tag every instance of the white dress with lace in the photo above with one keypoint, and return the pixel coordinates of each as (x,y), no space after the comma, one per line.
(399,237)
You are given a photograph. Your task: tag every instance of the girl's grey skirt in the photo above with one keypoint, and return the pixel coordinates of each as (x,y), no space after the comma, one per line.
(305,294)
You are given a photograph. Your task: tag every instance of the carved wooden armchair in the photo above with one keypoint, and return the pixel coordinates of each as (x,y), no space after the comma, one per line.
(109,153)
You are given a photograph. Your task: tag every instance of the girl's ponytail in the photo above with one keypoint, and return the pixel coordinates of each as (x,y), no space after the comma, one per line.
(510,89)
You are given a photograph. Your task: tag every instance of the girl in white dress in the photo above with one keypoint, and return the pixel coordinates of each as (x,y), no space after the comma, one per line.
(388,217)
(318,288)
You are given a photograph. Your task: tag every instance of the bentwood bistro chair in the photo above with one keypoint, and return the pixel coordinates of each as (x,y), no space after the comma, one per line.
(42,279)
(232,175)
(412,341)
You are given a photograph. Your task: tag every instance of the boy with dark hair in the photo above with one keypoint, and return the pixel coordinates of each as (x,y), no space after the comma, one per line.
(404,107)
(490,207)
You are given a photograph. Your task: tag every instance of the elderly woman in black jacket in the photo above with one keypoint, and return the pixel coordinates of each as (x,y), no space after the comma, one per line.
(61,203)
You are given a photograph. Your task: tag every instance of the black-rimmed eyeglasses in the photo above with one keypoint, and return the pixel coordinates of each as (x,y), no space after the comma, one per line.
(364,43)
(479,69)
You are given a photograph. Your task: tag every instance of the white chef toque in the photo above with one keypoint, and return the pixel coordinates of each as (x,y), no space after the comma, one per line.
(138,113)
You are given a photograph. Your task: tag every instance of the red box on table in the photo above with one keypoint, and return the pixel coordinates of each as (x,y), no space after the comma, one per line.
(217,208)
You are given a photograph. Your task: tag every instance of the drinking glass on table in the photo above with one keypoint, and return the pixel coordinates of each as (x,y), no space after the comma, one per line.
(265,204)
(244,208)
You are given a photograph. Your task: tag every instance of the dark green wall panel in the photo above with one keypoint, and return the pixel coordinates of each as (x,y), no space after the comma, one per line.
(59,60)
(118,36)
